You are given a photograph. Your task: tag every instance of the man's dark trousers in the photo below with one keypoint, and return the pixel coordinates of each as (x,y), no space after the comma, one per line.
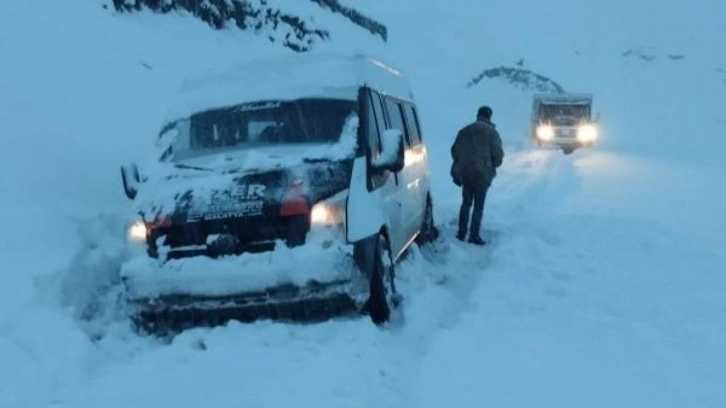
(476,193)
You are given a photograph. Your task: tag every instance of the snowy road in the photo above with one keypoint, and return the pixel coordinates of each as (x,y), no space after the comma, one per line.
(564,306)
(603,285)
(584,307)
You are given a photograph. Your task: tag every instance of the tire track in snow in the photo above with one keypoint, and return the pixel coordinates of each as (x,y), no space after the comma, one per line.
(437,283)
(578,299)
(441,282)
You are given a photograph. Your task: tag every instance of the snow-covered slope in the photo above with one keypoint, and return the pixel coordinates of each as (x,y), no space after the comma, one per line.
(603,285)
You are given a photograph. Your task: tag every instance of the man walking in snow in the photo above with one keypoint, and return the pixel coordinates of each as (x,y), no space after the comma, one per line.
(477,153)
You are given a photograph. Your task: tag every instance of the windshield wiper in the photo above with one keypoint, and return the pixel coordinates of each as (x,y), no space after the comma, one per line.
(315,160)
(186,166)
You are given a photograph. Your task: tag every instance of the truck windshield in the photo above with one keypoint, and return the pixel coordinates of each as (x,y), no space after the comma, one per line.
(550,112)
(261,124)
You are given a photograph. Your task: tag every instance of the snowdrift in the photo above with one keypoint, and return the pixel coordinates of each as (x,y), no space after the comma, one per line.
(603,285)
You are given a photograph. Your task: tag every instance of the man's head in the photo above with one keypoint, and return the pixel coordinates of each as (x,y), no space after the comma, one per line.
(484,113)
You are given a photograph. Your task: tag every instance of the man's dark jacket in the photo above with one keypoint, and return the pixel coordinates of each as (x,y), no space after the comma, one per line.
(477,153)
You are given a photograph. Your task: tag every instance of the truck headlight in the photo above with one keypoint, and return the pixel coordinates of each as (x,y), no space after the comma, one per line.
(137,232)
(545,132)
(324,214)
(587,133)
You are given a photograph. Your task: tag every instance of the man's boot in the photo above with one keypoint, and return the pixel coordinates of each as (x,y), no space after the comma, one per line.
(477,240)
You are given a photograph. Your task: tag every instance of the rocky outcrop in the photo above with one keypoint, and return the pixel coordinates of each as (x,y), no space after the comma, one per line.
(297,33)
(520,77)
(649,54)
(356,17)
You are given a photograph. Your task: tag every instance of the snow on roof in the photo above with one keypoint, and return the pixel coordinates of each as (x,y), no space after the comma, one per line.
(285,78)
(575,98)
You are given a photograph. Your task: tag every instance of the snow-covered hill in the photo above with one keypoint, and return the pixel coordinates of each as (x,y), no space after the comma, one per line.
(604,284)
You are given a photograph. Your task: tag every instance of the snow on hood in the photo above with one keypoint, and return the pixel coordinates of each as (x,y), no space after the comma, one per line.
(167,182)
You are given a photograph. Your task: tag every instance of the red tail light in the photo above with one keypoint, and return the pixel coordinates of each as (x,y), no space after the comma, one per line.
(295,201)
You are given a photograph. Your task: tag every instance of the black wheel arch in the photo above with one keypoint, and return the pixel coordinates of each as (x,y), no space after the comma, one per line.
(426,236)
(381,296)
(364,251)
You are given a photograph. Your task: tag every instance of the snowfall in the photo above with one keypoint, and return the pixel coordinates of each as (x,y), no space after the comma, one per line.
(604,283)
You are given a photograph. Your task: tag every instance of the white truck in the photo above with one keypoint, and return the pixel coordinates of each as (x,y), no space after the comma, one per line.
(563,121)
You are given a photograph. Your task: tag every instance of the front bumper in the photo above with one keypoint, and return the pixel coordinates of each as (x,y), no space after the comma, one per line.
(561,142)
(318,278)
(313,302)
(564,137)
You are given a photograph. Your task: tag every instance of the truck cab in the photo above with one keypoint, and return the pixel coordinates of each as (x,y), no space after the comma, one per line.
(563,121)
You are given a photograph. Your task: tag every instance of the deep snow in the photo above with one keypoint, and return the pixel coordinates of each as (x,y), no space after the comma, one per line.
(603,285)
